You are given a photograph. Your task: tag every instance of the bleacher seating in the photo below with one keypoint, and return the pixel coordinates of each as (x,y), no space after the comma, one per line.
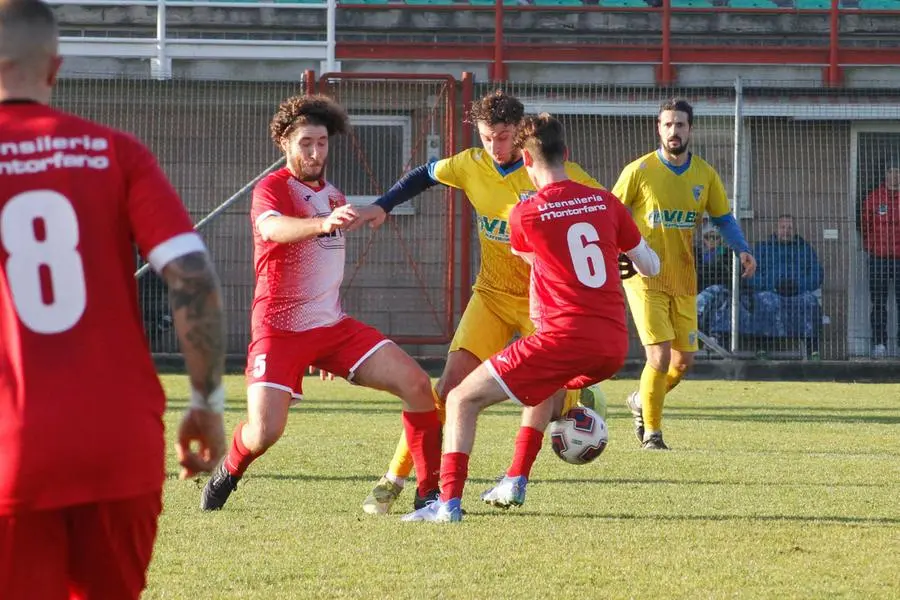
(752,4)
(879,4)
(692,4)
(812,4)
(799,5)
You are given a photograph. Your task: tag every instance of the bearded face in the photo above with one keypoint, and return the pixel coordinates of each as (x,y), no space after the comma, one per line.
(306,151)
(674,132)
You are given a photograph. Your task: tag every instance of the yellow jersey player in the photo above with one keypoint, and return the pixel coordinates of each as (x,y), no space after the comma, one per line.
(494,180)
(667,191)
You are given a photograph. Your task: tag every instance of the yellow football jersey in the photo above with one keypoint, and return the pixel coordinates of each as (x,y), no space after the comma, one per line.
(667,202)
(493,191)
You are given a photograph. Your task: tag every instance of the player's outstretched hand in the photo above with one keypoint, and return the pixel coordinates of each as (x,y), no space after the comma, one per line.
(372,214)
(626,267)
(342,217)
(748,265)
(323,375)
(207,429)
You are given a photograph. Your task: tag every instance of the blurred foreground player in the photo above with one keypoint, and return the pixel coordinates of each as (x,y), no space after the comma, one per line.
(298,221)
(82,452)
(572,235)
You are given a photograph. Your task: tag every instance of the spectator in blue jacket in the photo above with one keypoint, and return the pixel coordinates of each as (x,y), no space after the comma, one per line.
(786,295)
(713,281)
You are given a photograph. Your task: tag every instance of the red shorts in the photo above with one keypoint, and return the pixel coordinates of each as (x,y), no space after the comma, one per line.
(532,368)
(280,360)
(99,550)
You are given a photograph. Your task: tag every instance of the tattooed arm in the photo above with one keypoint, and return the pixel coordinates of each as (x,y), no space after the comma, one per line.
(196,302)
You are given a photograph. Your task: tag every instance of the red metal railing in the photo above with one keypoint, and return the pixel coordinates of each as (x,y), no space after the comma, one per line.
(665,54)
(465,220)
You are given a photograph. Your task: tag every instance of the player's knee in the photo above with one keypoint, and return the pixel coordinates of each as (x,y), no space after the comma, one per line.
(684,362)
(261,435)
(417,390)
(459,364)
(659,357)
(456,402)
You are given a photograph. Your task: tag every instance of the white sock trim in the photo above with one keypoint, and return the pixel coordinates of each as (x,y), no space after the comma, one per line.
(401,481)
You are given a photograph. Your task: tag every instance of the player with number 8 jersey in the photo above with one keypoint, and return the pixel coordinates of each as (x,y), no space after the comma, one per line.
(82,444)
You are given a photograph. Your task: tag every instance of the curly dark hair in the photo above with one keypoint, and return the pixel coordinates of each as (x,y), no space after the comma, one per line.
(678,105)
(544,138)
(495,108)
(308,110)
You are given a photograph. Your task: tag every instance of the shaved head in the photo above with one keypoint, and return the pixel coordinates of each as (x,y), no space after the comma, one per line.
(29,46)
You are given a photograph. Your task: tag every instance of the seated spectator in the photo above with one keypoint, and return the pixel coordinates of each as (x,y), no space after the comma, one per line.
(714,262)
(785,298)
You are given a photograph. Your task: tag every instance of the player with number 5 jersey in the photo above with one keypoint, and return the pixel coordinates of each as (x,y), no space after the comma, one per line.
(82,447)
(572,235)
(298,221)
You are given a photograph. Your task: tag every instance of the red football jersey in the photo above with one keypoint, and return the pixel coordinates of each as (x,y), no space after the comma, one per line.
(298,285)
(80,403)
(573,234)
(881,223)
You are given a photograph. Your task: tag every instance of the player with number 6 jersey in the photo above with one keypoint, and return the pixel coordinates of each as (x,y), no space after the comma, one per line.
(494,180)
(82,447)
(572,236)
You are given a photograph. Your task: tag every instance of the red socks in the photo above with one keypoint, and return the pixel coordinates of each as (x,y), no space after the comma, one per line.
(454,471)
(423,434)
(238,458)
(528,445)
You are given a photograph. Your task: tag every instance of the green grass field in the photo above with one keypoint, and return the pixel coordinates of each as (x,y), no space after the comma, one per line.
(772,490)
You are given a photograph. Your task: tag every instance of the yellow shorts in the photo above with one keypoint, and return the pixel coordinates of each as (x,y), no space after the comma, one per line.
(489,322)
(660,317)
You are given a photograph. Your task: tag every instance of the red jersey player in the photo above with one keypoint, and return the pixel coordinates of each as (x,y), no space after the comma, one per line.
(82,451)
(298,221)
(572,235)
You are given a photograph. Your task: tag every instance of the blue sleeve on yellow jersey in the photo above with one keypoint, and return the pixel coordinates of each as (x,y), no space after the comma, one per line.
(410,185)
(731,232)
(431,171)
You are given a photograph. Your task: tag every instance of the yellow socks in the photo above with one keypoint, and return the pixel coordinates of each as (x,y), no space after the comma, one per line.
(673,378)
(653,394)
(402,462)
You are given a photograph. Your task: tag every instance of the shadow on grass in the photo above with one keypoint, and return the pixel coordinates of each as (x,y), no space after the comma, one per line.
(480,481)
(709,518)
(783,417)
(309,407)
(812,484)
(290,477)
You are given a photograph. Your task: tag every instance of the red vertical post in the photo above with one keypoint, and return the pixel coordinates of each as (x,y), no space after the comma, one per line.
(450,149)
(309,81)
(465,219)
(498,72)
(834,68)
(665,69)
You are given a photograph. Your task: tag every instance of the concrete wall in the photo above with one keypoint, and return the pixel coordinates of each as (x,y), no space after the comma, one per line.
(421,24)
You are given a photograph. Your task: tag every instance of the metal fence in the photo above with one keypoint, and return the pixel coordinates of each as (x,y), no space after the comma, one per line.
(813,161)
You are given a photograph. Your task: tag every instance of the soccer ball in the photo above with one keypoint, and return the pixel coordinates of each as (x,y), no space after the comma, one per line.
(580,436)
